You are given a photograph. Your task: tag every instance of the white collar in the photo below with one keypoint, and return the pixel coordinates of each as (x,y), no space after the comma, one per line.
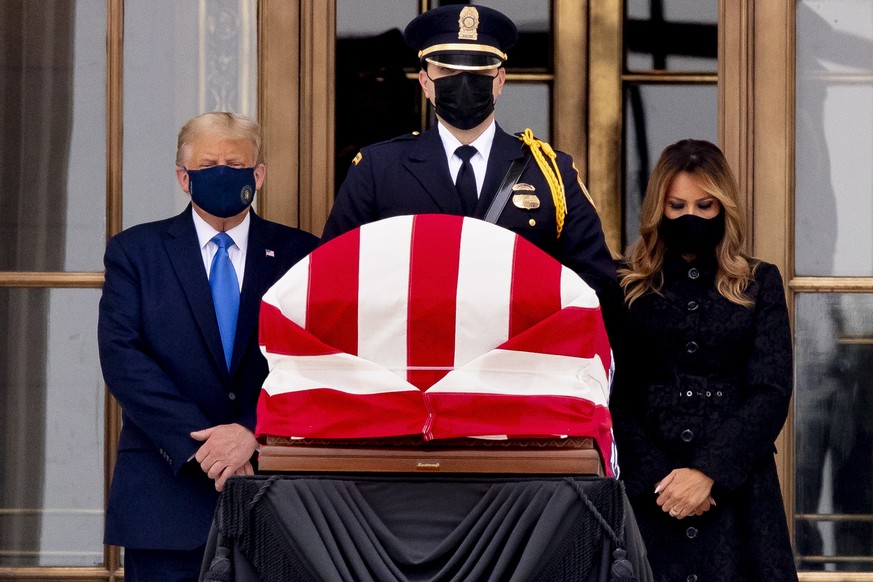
(481,143)
(239,233)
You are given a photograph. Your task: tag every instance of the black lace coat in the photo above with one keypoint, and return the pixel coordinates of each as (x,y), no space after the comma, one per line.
(705,383)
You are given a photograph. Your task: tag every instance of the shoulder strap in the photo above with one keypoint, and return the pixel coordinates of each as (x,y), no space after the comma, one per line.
(509,180)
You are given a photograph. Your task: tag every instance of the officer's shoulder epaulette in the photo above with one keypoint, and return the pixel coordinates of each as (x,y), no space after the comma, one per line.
(375,147)
(412,136)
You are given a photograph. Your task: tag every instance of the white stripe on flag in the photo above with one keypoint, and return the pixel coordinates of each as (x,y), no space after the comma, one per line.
(482,275)
(529,374)
(575,292)
(342,372)
(383,292)
(289,293)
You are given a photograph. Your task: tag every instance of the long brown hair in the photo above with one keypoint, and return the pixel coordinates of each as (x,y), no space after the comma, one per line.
(705,163)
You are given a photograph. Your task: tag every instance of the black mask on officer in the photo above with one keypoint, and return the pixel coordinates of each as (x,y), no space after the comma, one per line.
(464,100)
(692,235)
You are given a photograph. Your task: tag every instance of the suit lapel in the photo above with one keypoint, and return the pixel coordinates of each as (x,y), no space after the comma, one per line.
(428,165)
(260,273)
(183,248)
(504,149)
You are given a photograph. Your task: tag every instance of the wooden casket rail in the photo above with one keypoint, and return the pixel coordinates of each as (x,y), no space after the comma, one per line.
(571,456)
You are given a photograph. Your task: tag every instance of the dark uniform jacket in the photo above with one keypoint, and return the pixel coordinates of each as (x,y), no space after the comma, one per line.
(162,358)
(707,385)
(410,175)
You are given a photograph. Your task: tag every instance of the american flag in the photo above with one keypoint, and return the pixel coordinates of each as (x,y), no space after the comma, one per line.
(437,325)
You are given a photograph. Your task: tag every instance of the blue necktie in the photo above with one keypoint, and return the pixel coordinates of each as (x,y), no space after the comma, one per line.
(225,293)
(465,184)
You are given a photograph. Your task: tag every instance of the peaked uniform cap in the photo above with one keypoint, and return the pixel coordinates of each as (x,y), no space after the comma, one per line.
(464,37)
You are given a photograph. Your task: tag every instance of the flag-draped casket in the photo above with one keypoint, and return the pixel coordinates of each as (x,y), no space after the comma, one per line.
(434,325)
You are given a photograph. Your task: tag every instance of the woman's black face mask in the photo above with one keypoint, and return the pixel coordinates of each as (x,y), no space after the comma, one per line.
(692,235)
(464,100)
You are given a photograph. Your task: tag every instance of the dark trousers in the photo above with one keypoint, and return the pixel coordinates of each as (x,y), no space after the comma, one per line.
(162,565)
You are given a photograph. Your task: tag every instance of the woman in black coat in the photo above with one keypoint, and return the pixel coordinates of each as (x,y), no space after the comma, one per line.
(706,383)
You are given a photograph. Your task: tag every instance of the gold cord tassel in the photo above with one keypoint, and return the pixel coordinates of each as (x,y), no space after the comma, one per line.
(540,150)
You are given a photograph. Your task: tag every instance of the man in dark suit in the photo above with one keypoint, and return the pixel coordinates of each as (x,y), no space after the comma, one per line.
(462,50)
(179,347)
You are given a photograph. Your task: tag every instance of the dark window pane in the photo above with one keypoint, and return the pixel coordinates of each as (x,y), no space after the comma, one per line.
(654,117)
(52,145)
(676,35)
(834,444)
(375,100)
(52,407)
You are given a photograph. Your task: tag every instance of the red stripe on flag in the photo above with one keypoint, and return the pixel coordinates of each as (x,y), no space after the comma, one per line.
(332,301)
(280,335)
(463,415)
(573,331)
(339,414)
(433,287)
(535,291)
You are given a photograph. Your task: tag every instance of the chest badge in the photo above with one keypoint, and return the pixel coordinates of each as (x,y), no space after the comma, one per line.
(524,196)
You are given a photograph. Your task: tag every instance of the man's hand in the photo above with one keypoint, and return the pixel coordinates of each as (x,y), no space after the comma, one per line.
(685,492)
(225,452)
(246,469)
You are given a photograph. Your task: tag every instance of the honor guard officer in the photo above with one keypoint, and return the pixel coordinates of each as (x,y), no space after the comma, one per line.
(467,165)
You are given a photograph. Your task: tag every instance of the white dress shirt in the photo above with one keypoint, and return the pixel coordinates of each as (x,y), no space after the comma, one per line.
(237,252)
(478,161)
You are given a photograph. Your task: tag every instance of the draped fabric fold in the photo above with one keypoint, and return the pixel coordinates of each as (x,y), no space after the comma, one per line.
(360,528)
(437,325)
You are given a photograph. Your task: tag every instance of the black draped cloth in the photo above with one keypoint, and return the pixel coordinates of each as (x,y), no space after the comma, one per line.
(414,528)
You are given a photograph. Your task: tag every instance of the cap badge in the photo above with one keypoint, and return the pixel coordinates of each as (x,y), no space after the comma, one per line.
(524,196)
(468,24)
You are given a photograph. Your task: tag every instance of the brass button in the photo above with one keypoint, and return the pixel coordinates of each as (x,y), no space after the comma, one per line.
(532,222)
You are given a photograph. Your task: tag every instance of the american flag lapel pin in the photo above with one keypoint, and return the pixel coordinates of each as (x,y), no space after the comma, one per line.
(270,253)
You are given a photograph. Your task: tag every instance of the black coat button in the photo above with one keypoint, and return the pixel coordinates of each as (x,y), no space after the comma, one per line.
(691,578)
(693,273)
(691,347)
(231,395)
(691,533)
(693,305)
(687,435)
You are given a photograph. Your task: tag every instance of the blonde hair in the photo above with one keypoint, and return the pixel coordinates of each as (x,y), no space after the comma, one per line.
(707,166)
(219,124)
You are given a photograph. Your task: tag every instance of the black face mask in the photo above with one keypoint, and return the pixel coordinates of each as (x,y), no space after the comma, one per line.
(464,100)
(692,235)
